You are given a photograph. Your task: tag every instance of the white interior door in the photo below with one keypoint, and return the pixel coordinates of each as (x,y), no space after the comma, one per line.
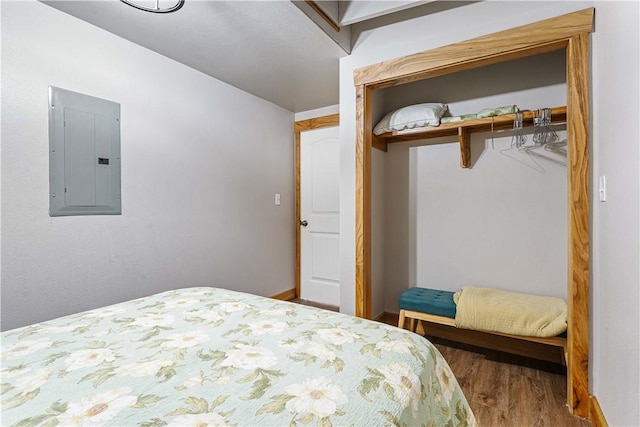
(319,215)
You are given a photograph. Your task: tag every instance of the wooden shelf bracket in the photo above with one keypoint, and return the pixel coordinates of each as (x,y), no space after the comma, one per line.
(464,138)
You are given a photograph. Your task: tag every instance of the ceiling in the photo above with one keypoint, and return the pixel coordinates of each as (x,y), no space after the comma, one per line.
(267,48)
(354,11)
(281,51)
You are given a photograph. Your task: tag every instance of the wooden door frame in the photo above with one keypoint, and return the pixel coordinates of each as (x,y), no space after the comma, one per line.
(569,32)
(298,127)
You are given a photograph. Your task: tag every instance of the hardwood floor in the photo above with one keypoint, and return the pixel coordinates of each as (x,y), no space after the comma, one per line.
(508,390)
(504,389)
(315,304)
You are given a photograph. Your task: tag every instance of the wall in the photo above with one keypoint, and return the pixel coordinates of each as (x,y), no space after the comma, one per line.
(201,161)
(318,112)
(614,321)
(616,222)
(501,224)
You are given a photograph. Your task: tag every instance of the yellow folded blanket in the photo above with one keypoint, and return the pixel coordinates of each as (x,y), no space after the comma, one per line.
(510,312)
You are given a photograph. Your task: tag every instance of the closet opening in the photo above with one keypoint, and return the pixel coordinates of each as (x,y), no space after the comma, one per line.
(501,223)
(403,192)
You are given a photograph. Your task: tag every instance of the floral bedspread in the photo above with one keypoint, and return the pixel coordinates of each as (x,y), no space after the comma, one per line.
(207,356)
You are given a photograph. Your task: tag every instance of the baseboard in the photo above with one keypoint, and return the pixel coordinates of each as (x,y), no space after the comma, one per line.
(287,295)
(595,413)
(388,318)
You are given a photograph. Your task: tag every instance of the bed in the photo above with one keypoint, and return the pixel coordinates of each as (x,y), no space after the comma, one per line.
(209,356)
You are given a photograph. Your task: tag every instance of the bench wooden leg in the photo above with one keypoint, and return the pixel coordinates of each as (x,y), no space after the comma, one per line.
(401,320)
(414,324)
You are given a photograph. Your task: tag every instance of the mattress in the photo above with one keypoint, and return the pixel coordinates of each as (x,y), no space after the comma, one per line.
(211,356)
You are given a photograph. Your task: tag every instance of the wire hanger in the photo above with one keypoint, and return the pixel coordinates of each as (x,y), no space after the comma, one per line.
(543,137)
(519,138)
(542,131)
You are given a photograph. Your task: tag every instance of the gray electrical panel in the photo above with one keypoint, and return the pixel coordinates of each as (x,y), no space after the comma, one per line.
(84,155)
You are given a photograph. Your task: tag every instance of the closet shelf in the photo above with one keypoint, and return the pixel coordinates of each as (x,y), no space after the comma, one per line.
(463,130)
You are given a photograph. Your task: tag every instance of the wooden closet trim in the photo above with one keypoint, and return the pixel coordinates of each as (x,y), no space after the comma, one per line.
(568,32)
(532,39)
(363,202)
(301,126)
(578,206)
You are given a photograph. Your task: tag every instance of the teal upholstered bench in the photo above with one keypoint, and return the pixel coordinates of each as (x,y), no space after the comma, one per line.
(437,306)
(425,300)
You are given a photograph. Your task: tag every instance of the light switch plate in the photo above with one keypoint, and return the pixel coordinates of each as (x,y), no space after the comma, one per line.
(602,188)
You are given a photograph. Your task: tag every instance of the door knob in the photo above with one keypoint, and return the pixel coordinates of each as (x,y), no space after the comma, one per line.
(304,223)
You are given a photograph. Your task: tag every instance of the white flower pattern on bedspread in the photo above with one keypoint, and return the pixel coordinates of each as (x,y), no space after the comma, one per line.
(97,409)
(317,396)
(212,357)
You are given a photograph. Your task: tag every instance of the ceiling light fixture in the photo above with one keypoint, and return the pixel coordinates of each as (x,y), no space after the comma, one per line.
(156,9)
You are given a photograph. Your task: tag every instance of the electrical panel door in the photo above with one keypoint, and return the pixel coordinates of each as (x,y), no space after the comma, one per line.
(84,155)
